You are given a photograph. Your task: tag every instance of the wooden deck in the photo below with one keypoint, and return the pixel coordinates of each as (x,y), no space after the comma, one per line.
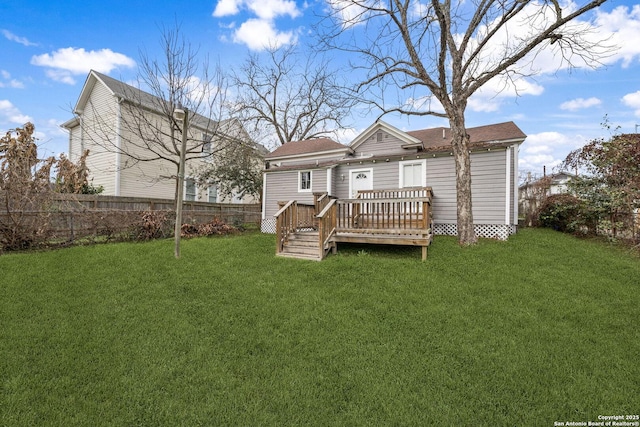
(389,217)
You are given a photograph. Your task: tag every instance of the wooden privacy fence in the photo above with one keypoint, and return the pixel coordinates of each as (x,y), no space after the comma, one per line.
(69,217)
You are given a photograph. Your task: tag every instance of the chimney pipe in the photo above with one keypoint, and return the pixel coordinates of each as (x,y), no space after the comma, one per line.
(443,133)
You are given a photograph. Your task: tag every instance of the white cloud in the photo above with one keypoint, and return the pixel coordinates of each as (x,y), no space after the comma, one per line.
(489,98)
(14,38)
(7,81)
(227,7)
(632,100)
(9,113)
(65,63)
(350,14)
(263,9)
(425,103)
(623,26)
(580,103)
(259,34)
(547,149)
(271,9)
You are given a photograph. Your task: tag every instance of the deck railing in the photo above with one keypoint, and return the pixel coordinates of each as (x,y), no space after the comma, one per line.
(380,216)
(291,217)
(286,223)
(396,193)
(327,222)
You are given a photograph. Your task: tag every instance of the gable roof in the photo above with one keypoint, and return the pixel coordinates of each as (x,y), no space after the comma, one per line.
(405,137)
(315,146)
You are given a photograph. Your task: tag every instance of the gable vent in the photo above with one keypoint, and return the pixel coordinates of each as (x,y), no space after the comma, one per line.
(379,136)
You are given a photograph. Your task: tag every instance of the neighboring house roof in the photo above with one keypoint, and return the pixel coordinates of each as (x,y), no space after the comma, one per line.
(553,179)
(125,92)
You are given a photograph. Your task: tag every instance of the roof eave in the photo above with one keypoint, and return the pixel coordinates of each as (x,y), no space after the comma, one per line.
(311,154)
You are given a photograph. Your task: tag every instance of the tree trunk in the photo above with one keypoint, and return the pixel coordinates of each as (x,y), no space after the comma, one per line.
(460,143)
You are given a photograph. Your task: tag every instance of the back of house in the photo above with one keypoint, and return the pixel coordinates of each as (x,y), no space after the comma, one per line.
(384,157)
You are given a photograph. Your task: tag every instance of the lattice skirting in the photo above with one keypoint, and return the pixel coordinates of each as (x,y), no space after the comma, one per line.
(268,226)
(491,231)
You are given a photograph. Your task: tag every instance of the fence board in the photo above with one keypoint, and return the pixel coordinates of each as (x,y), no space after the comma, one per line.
(79,216)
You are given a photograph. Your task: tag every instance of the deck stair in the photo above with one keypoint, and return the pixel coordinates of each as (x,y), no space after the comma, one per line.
(391,217)
(302,244)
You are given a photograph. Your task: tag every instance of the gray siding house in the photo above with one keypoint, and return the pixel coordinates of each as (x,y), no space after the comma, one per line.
(384,157)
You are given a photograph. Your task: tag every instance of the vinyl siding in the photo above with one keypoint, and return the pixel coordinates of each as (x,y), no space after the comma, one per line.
(387,146)
(441,177)
(75,143)
(488,185)
(283,186)
(145,179)
(99,123)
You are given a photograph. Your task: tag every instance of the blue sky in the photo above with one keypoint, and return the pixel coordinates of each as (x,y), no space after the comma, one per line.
(48,47)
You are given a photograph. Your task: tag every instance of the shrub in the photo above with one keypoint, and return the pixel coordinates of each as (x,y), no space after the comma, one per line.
(561,212)
(152,225)
(212,228)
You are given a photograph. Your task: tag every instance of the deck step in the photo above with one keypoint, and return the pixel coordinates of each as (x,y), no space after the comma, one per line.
(302,245)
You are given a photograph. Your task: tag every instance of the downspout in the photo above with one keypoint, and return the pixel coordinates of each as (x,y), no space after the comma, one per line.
(329,180)
(507,204)
(516,149)
(264,196)
(118,147)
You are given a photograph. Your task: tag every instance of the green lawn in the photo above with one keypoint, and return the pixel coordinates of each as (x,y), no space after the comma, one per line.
(538,329)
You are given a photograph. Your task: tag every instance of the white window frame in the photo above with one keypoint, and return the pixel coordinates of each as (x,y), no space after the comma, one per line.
(195,188)
(209,188)
(305,190)
(423,174)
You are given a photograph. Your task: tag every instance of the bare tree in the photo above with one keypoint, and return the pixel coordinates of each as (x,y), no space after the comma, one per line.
(145,128)
(443,52)
(293,99)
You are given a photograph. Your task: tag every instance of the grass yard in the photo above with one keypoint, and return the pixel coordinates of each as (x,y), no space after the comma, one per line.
(543,328)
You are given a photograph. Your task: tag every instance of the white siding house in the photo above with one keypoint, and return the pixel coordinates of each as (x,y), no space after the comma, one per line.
(118,123)
(384,157)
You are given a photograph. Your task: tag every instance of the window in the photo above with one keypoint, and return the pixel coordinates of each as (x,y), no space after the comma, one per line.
(190,189)
(207,145)
(412,174)
(212,194)
(304,181)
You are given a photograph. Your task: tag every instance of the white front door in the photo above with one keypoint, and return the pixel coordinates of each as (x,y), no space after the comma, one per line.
(361,179)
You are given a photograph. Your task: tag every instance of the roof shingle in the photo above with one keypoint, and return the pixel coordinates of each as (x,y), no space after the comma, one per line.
(315,145)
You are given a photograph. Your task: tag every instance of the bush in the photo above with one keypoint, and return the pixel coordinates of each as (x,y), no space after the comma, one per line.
(152,225)
(212,228)
(561,212)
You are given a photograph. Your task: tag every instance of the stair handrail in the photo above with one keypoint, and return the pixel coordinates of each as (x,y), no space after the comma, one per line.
(286,223)
(327,223)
